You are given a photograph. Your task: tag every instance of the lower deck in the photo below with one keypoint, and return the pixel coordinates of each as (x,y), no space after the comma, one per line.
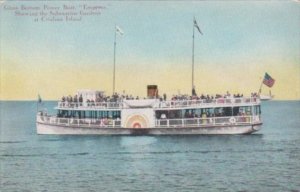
(142,117)
(212,125)
(207,130)
(168,123)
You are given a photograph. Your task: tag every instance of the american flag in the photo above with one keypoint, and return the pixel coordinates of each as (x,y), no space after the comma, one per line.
(268,80)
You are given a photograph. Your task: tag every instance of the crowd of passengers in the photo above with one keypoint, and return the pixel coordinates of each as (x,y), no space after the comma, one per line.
(210,97)
(100,98)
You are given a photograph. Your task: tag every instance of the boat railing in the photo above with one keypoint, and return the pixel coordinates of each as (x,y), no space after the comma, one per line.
(209,121)
(77,122)
(116,123)
(96,105)
(207,102)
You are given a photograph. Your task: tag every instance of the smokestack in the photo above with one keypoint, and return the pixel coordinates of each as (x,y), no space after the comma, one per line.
(152,91)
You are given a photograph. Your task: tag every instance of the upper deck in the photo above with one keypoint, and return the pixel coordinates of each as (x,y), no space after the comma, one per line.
(159,104)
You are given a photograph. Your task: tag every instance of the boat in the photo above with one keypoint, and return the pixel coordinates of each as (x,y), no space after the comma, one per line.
(269,82)
(266,97)
(92,112)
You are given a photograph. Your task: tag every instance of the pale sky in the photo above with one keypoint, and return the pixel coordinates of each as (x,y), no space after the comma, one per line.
(240,42)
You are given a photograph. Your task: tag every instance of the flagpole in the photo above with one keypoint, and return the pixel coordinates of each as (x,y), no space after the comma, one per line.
(114,71)
(193,56)
(260,87)
(37,103)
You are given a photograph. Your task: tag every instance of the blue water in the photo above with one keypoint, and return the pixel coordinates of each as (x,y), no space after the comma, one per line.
(266,161)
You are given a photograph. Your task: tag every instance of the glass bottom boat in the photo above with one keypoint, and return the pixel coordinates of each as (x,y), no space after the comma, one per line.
(88,113)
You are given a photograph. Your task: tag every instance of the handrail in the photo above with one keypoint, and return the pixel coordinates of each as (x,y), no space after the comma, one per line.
(205,102)
(184,122)
(161,104)
(97,105)
(208,121)
(77,122)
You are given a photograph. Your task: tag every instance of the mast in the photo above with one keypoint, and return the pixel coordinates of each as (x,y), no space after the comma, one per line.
(260,87)
(198,28)
(114,70)
(193,86)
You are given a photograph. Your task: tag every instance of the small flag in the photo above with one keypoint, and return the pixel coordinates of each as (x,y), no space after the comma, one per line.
(119,30)
(268,80)
(196,25)
(39,99)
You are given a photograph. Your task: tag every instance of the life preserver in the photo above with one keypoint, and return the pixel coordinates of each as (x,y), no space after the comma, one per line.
(232,120)
(136,121)
(137,125)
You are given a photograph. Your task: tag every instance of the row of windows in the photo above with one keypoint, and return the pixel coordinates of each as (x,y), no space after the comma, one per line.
(89,114)
(208,112)
(169,114)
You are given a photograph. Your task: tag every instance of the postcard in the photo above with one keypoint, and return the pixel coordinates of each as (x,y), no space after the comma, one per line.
(149,95)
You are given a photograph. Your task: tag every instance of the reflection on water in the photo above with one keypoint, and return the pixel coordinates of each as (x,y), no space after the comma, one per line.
(137,141)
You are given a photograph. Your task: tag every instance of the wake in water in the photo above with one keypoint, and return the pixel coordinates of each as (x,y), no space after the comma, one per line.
(42,155)
(133,142)
(12,142)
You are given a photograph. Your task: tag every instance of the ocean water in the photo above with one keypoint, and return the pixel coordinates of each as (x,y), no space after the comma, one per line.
(265,161)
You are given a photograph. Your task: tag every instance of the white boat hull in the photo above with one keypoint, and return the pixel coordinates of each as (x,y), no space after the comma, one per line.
(211,130)
(266,97)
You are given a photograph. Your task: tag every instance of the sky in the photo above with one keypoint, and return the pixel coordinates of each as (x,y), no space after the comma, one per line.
(241,41)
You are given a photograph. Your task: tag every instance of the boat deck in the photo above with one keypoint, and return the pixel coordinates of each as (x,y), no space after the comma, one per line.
(157,104)
(161,123)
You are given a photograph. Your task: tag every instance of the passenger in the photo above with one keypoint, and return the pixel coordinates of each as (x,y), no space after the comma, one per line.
(186,114)
(98,99)
(190,115)
(218,96)
(204,118)
(63,100)
(70,98)
(244,119)
(68,101)
(75,100)
(165,97)
(207,114)
(228,94)
(194,92)
(202,97)
(92,102)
